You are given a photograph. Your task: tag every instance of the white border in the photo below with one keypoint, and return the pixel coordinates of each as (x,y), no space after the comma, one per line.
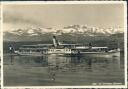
(1,42)
(68,2)
(63,2)
(125,43)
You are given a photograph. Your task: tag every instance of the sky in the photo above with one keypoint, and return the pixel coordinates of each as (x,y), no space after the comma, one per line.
(60,15)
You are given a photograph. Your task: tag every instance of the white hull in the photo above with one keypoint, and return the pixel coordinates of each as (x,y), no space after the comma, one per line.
(29,53)
(102,54)
(94,54)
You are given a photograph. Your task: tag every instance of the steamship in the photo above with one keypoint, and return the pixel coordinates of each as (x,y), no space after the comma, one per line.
(58,48)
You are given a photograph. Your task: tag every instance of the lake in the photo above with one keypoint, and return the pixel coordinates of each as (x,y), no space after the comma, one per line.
(53,70)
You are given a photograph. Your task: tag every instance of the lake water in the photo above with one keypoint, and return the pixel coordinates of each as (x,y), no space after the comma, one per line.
(56,70)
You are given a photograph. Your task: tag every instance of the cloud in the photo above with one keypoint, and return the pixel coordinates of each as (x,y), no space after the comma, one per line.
(56,15)
(18,18)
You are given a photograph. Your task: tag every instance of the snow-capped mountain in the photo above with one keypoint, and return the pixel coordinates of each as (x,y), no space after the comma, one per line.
(91,30)
(40,33)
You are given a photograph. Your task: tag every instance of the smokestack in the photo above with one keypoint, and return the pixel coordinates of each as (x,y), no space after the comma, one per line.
(55,41)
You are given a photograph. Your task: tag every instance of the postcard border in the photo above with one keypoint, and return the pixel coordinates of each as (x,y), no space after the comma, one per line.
(67,2)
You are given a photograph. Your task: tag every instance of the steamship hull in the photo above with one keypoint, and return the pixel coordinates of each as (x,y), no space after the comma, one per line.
(92,54)
(102,54)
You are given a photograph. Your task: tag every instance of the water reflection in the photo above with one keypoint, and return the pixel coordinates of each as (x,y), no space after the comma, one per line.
(62,63)
(60,67)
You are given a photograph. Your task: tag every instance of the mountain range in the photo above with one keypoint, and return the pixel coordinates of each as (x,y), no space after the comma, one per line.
(44,34)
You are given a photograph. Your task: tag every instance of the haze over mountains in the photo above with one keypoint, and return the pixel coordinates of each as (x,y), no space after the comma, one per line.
(43,34)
